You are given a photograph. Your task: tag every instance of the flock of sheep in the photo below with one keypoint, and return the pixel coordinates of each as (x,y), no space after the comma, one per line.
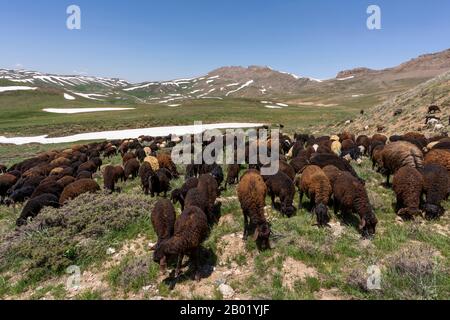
(318,167)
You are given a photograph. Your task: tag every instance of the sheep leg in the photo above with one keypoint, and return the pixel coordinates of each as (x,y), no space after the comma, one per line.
(272,197)
(245,227)
(178,269)
(300,200)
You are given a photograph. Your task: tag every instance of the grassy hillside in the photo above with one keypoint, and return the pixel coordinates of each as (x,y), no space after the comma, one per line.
(108,237)
(22,115)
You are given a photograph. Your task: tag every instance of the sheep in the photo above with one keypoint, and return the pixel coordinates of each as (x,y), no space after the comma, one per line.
(350,195)
(252,193)
(232,174)
(7,181)
(131,168)
(19,196)
(78,188)
(50,187)
(26,182)
(195,198)
(436,189)
(399,154)
(408,185)
(376,155)
(3,169)
(336,147)
(379,137)
(217,173)
(332,174)
(159,183)
(433,109)
(128,156)
(165,161)
(315,183)
(179,195)
(34,207)
(209,188)
(280,185)
(84,175)
(439,156)
(163,220)
(191,229)
(364,142)
(153,162)
(145,172)
(65,181)
(88,166)
(323,160)
(299,163)
(140,154)
(111,175)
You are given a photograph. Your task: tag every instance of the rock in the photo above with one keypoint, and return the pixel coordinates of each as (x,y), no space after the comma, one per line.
(157,298)
(148,288)
(226,291)
(110,251)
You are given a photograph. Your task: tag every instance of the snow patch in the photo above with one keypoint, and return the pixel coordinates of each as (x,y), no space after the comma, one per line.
(83,110)
(241,87)
(68,97)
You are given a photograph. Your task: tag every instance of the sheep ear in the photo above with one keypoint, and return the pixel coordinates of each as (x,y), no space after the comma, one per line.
(256,235)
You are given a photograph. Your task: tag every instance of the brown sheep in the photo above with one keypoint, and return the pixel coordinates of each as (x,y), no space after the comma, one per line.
(163,220)
(165,161)
(65,181)
(349,196)
(397,155)
(88,166)
(128,156)
(7,181)
(209,188)
(440,157)
(232,174)
(280,185)
(78,188)
(408,186)
(112,175)
(380,137)
(252,193)
(317,187)
(332,174)
(153,163)
(436,189)
(191,229)
(131,168)
(145,172)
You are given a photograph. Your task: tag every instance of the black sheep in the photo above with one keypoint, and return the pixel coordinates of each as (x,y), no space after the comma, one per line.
(232,174)
(280,185)
(159,183)
(34,207)
(179,195)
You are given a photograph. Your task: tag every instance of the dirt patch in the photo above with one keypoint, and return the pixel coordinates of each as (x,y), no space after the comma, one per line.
(330,294)
(294,270)
(229,247)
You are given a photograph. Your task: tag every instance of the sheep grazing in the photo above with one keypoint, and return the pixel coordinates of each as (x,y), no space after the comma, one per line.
(209,188)
(78,188)
(315,183)
(332,174)
(232,174)
(7,181)
(397,155)
(34,207)
(165,161)
(440,157)
(163,220)
(89,166)
(20,195)
(128,156)
(112,175)
(350,195)
(65,181)
(191,229)
(436,189)
(131,168)
(379,137)
(50,187)
(145,172)
(84,175)
(159,183)
(281,186)
(179,195)
(252,193)
(408,186)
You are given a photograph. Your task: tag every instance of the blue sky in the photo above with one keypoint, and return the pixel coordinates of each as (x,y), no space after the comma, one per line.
(160,40)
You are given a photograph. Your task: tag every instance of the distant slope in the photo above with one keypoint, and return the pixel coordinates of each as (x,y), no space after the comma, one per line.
(414,105)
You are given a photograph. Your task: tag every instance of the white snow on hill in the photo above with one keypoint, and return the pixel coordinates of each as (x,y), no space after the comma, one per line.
(13,88)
